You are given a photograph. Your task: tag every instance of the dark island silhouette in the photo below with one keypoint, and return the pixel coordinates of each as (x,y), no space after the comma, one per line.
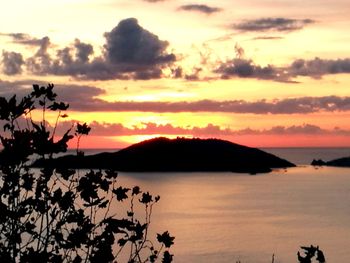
(340,162)
(176,155)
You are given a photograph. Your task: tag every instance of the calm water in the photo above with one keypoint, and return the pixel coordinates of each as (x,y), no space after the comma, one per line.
(303,156)
(224,217)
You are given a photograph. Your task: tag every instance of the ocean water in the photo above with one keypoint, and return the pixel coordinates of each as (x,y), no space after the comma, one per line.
(226,217)
(304,156)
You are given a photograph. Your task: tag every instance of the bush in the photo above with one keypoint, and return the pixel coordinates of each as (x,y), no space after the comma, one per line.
(58,215)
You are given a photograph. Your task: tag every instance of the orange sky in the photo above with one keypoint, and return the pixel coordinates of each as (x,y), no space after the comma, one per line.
(266,73)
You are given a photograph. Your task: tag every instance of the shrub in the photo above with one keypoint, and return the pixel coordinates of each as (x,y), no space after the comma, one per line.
(59,215)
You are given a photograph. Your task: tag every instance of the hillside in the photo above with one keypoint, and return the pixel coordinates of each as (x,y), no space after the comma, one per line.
(341,162)
(181,154)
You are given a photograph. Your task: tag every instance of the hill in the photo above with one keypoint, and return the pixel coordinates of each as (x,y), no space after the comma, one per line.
(341,162)
(175,155)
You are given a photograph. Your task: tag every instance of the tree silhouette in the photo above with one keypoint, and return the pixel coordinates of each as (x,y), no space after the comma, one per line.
(61,215)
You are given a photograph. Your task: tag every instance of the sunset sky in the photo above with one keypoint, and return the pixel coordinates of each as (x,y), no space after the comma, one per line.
(264,73)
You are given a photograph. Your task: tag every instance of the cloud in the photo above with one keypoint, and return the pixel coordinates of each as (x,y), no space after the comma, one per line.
(245,68)
(23,39)
(12,63)
(69,93)
(278,24)
(211,130)
(200,8)
(130,48)
(302,105)
(85,98)
(83,51)
(267,38)
(314,68)
(130,52)
(318,67)
(40,63)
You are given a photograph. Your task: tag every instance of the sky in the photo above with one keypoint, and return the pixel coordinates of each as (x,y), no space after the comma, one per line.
(263,73)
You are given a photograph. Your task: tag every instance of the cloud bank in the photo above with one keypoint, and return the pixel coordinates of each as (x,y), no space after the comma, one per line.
(86,99)
(149,128)
(130,52)
(314,68)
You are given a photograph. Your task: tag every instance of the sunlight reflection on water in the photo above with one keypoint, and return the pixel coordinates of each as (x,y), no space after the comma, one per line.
(223,217)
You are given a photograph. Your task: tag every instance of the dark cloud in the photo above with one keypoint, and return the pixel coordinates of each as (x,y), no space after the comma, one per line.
(40,63)
(272,24)
(23,39)
(83,51)
(130,44)
(130,48)
(318,67)
(12,63)
(200,8)
(315,68)
(244,68)
(130,52)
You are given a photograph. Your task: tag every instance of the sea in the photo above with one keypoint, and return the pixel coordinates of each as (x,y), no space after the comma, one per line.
(229,217)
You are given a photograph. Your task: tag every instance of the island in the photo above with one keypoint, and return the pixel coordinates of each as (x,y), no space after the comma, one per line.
(340,162)
(176,155)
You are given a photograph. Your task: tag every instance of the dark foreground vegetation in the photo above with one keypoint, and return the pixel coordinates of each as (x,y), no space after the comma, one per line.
(177,155)
(58,214)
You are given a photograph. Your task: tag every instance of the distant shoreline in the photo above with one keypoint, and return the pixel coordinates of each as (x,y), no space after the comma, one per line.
(297,155)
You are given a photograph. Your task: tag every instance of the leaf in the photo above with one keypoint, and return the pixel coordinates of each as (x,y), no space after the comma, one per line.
(111,174)
(136,190)
(82,129)
(165,239)
(29,227)
(146,198)
(122,242)
(57,195)
(58,106)
(121,193)
(167,257)
(105,185)
(103,204)
(28,181)
(77,259)
(65,173)
(157,198)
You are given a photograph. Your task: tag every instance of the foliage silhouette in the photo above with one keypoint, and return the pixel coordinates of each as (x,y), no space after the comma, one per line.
(310,253)
(58,214)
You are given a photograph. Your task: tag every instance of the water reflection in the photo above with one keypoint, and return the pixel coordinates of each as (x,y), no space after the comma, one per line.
(223,217)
